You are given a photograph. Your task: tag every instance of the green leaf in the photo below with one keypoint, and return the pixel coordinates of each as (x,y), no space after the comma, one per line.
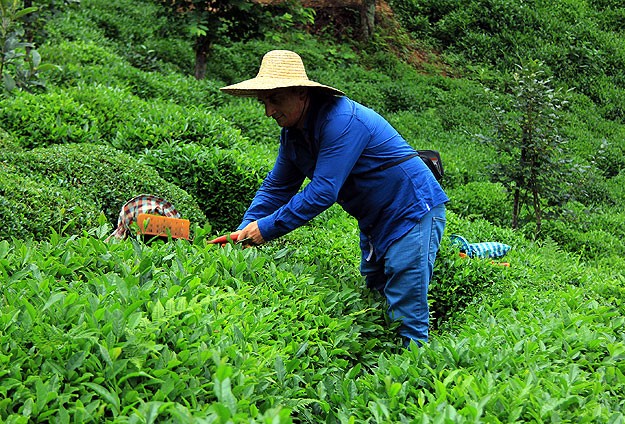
(110,397)
(158,311)
(53,299)
(24,12)
(9,82)
(35,58)
(48,67)
(280,369)
(137,374)
(222,411)
(223,391)
(76,360)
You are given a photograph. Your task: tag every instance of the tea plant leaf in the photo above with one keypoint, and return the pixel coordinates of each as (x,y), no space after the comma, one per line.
(223,412)
(223,391)
(53,299)
(110,397)
(158,311)
(280,369)
(76,360)
(30,310)
(137,374)
(151,410)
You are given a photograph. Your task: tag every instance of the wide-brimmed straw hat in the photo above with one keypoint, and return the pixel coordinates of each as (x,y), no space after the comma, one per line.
(278,69)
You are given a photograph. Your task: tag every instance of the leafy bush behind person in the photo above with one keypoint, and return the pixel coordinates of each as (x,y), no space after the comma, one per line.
(92,177)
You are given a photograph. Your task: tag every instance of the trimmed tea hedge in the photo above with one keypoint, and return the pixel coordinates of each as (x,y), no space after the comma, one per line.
(101,114)
(100,175)
(32,208)
(223,182)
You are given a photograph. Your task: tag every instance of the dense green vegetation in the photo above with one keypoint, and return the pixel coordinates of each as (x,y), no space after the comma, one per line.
(95,331)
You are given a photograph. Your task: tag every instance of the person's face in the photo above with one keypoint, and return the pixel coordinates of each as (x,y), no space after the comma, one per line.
(285,105)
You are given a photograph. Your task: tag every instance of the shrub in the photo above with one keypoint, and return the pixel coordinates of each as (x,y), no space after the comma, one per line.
(161,122)
(73,25)
(458,282)
(222,181)
(129,23)
(237,61)
(481,199)
(50,118)
(100,175)
(80,53)
(31,208)
(616,187)
(176,53)
(593,233)
(591,244)
(576,41)
(248,116)
(7,143)
(100,114)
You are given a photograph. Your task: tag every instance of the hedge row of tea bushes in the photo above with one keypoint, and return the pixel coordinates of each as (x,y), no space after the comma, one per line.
(116,128)
(185,332)
(178,126)
(66,187)
(579,41)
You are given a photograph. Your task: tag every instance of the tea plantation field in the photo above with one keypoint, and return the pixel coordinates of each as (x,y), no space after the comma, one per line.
(182,331)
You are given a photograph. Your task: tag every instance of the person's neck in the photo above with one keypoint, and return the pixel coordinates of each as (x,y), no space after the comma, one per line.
(302,118)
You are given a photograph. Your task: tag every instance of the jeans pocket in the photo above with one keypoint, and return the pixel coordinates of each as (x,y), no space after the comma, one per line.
(436,235)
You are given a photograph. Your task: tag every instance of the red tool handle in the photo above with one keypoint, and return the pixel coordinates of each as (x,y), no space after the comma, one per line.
(224,239)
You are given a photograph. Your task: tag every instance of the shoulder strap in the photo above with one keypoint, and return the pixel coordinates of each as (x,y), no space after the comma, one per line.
(397,162)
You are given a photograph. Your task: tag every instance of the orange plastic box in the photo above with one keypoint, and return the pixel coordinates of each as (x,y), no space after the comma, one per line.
(163,226)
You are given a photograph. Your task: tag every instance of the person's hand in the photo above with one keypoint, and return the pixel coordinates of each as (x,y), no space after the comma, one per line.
(250,235)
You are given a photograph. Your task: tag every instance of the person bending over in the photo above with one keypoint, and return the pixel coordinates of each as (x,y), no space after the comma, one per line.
(354,157)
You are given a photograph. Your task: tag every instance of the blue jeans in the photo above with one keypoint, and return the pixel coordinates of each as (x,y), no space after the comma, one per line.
(403,275)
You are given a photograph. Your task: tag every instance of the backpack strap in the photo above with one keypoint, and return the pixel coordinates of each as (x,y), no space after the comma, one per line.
(397,162)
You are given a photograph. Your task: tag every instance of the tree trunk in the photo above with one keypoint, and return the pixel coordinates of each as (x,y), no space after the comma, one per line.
(538,213)
(515,208)
(367,19)
(202,47)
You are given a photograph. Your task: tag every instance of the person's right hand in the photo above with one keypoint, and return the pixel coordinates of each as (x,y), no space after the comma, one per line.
(250,235)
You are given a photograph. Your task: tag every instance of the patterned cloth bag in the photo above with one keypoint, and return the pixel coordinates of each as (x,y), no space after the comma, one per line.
(489,249)
(143,203)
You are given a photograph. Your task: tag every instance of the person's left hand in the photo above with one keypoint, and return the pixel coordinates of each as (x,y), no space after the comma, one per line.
(251,234)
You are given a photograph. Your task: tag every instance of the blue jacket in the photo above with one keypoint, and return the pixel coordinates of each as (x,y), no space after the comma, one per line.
(341,150)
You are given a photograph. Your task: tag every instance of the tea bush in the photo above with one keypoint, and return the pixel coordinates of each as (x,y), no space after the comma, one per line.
(581,230)
(156,123)
(179,331)
(575,42)
(484,200)
(105,177)
(616,186)
(76,55)
(36,120)
(458,282)
(246,350)
(248,116)
(31,208)
(242,335)
(100,114)
(223,182)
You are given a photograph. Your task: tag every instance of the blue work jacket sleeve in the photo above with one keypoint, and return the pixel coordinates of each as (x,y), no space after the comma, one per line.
(281,183)
(342,139)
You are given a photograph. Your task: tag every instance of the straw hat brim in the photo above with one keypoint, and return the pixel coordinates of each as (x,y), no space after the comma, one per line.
(251,87)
